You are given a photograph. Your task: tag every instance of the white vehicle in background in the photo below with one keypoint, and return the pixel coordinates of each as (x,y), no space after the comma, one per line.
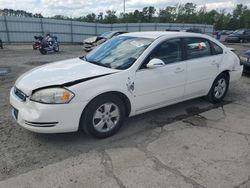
(128,75)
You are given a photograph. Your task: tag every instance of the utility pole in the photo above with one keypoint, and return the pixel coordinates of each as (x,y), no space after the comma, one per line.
(124,6)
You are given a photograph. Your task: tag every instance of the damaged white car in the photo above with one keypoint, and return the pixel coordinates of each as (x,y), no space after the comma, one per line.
(127,75)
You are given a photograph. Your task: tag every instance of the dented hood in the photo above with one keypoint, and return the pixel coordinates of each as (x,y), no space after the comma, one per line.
(59,73)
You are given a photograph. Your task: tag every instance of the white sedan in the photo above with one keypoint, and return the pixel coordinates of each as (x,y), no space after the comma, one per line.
(127,75)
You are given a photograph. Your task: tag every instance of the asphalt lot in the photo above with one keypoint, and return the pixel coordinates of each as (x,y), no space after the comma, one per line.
(22,151)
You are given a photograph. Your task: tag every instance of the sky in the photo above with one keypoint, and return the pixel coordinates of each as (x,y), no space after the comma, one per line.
(76,8)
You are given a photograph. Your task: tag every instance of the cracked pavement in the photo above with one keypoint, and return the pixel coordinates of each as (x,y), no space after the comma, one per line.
(204,150)
(188,145)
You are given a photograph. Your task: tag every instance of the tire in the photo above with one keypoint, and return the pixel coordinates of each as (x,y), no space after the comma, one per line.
(217,92)
(56,49)
(43,51)
(242,40)
(95,114)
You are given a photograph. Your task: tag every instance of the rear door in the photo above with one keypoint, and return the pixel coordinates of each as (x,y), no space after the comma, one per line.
(202,66)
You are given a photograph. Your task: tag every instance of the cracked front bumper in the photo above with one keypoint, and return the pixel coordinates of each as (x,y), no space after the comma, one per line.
(45,118)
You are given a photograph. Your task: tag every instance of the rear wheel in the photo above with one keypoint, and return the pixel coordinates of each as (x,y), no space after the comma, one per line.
(219,88)
(103,116)
(43,51)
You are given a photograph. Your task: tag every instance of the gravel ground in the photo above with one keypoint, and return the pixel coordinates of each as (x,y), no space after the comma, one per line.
(22,151)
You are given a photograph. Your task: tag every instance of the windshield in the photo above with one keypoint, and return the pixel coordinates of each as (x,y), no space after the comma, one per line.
(239,32)
(106,34)
(118,53)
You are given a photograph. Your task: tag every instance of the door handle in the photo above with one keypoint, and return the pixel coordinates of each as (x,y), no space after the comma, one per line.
(178,70)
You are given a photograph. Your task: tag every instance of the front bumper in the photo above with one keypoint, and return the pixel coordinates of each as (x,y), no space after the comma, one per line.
(46,118)
(246,63)
(88,47)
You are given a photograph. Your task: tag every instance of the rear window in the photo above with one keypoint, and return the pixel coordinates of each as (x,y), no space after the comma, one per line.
(197,47)
(217,49)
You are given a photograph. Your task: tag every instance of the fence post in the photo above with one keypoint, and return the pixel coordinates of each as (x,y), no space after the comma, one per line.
(140,26)
(155,26)
(7,29)
(42,29)
(71,31)
(127,26)
(96,29)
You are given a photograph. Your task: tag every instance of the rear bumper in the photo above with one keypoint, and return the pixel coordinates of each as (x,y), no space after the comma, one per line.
(44,118)
(235,75)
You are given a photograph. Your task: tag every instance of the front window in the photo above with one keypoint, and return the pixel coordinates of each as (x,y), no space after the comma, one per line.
(168,51)
(118,53)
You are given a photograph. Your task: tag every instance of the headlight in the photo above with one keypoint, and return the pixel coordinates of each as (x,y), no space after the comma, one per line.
(52,96)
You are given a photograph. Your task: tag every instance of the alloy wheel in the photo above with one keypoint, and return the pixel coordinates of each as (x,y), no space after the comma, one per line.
(106,117)
(220,88)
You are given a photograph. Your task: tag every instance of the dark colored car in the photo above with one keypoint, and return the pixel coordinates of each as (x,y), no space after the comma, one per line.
(194,30)
(1,44)
(90,43)
(245,60)
(175,30)
(241,35)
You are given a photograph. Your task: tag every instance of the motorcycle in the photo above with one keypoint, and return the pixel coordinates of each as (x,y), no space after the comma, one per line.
(49,44)
(37,43)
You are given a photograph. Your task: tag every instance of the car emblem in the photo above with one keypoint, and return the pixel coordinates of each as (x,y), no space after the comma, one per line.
(130,85)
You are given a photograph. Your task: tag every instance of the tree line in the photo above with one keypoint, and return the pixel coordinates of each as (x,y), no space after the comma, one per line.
(19,13)
(239,17)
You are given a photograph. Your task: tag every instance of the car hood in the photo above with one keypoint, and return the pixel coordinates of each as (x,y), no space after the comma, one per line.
(60,73)
(90,40)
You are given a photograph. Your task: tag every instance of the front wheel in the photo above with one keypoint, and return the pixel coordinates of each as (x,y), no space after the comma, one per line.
(219,88)
(56,49)
(103,116)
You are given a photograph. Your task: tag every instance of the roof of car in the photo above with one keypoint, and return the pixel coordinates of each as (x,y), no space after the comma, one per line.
(157,34)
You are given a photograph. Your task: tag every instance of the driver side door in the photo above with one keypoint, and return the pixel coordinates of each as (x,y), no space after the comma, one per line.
(163,85)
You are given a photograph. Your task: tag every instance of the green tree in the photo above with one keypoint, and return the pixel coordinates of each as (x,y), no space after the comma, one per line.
(168,14)
(110,17)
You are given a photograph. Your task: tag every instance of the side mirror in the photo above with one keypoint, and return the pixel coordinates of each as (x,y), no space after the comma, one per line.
(154,63)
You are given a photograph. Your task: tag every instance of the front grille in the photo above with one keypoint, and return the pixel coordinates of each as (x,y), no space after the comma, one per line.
(20,94)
